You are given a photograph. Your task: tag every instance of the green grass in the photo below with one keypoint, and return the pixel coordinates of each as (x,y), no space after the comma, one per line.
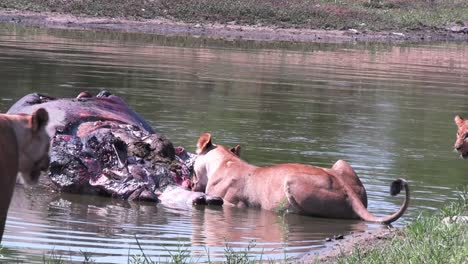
(426,240)
(182,256)
(317,14)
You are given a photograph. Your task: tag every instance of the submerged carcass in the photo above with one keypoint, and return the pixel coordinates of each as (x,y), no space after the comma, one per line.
(101,146)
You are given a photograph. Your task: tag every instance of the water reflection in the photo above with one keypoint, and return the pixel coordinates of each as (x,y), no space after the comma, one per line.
(70,224)
(276,236)
(387,110)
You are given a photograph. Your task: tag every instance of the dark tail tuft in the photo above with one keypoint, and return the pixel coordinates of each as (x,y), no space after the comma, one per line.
(397,186)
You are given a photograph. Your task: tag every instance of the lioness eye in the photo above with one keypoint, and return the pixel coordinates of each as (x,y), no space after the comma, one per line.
(465,136)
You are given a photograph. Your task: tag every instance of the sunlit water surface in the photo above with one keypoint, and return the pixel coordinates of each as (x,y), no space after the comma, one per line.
(386,109)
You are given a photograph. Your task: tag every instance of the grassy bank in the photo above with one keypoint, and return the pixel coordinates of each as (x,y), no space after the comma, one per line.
(377,15)
(428,239)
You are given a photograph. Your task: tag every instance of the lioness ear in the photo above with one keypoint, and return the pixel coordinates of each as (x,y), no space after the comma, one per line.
(459,120)
(84,94)
(203,143)
(236,150)
(39,119)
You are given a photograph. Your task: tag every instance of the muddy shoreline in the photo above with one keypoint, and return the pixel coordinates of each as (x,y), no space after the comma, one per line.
(336,247)
(227,31)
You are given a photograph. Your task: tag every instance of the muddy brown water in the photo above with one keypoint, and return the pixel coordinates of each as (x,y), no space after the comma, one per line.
(386,109)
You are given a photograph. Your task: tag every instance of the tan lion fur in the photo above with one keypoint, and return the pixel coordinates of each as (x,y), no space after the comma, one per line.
(461,143)
(24,151)
(305,189)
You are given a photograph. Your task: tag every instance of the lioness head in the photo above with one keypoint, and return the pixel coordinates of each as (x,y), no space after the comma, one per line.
(204,145)
(236,150)
(200,177)
(33,145)
(461,144)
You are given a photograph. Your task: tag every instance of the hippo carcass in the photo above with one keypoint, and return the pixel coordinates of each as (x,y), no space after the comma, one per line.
(101,146)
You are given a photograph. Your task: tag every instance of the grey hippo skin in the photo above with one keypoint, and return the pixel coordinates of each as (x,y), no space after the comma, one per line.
(101,146)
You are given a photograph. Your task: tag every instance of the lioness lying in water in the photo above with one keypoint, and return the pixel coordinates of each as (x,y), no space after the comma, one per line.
(305,189)
(24,151)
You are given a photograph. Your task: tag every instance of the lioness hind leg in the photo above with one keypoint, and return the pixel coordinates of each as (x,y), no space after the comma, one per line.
(343,169)
(293,205)
(346,173)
